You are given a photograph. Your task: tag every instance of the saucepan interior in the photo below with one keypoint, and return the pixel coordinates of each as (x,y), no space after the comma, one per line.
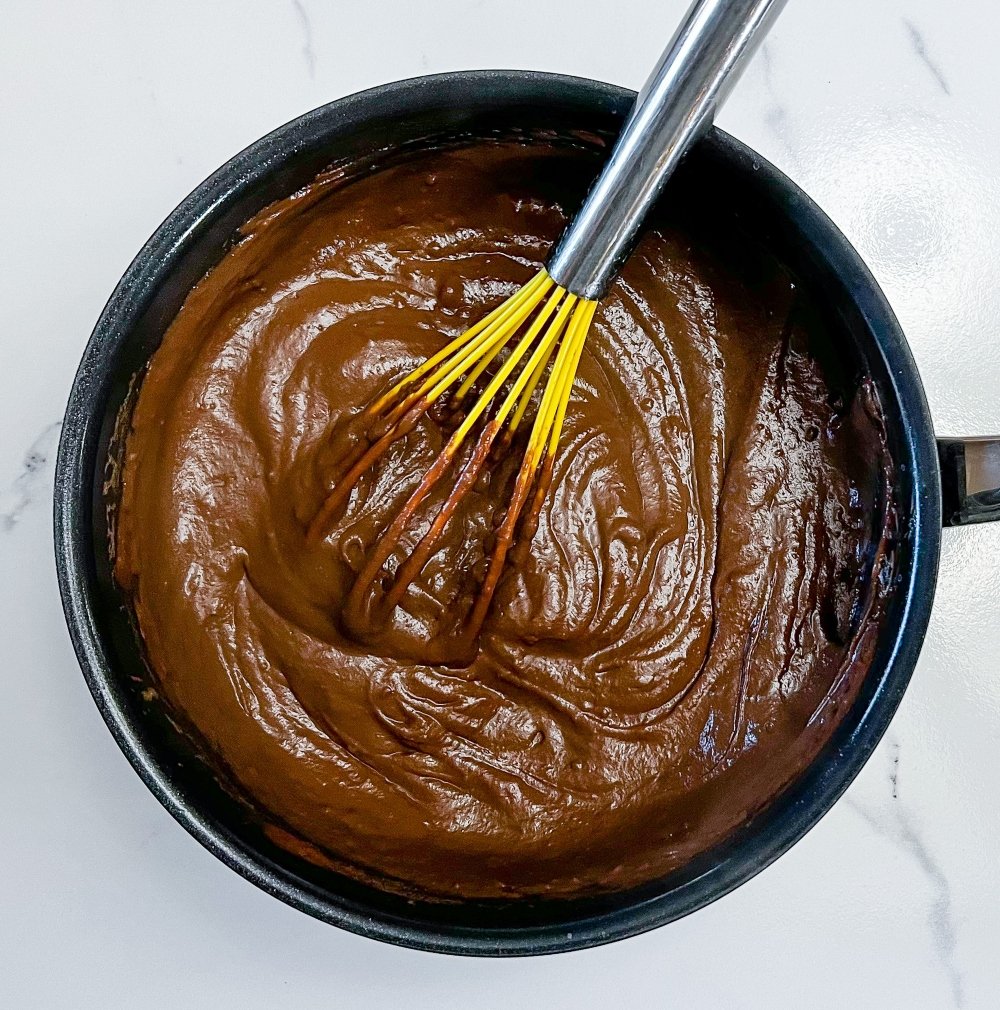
(365,128)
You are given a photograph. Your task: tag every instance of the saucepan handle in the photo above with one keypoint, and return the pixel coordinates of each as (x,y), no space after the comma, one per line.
(970,480)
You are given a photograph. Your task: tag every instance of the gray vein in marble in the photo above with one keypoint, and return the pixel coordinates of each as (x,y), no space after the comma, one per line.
(919,47)
(894,772)
(24,490)
(308,53)
(899,828)
(776,117)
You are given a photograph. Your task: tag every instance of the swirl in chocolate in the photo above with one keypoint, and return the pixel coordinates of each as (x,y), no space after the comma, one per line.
(673,645)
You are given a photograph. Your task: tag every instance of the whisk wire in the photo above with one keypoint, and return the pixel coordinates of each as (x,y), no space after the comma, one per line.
(555,334)
(473,466)
(543,440)
(491,332)
(480,453)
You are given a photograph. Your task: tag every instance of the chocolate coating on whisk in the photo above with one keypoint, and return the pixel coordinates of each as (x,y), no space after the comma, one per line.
(678,635)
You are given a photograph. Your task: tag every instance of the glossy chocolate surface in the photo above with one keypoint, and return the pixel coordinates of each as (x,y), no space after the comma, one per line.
(693,614)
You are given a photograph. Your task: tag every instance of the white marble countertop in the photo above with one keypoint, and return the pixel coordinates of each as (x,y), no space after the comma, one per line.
(885,111)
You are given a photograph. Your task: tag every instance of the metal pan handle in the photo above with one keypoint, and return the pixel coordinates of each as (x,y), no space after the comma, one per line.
(970,480)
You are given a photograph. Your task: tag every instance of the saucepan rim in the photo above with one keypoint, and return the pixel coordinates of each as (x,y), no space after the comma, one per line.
(803,804)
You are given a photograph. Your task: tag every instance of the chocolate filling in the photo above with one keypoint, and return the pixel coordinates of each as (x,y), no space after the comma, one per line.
(678,639)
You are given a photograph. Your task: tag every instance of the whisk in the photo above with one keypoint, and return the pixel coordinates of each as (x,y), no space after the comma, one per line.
(536,337)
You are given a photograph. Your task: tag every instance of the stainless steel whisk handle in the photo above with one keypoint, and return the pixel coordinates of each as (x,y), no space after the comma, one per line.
(678,102)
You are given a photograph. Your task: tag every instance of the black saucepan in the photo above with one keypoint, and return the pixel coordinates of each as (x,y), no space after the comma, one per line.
(195,236)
